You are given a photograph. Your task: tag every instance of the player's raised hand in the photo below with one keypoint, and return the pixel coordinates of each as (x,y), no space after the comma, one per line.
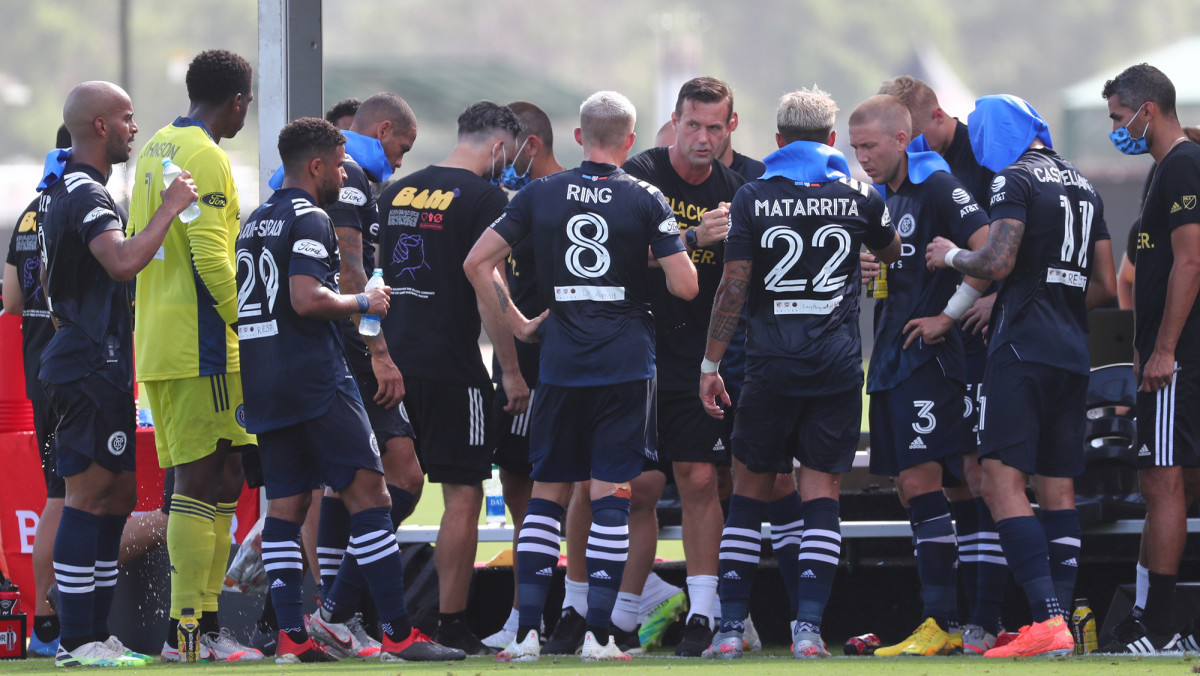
(517,393)
(180,194)
(930,329)
(868,266)
(379,299)
(529,332)
(977,318)
(713,394)
(714,225)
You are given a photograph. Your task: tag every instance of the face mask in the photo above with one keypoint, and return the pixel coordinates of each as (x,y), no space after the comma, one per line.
(509,176)
(494,178)
(1124,141)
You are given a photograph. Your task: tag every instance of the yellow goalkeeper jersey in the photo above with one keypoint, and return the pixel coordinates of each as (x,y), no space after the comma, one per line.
(187,296)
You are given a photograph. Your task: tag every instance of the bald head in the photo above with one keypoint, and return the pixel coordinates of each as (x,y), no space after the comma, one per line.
(885,110)
(89,101)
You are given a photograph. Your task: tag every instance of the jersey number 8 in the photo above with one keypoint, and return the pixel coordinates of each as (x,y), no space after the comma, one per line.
(581,243)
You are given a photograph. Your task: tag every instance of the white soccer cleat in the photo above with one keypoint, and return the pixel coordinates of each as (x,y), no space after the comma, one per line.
(528,650)
(593,651)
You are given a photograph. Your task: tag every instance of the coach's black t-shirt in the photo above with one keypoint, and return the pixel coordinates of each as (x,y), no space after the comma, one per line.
(682,326)
(590,228)
(36,327)
(1041,310)
(1171,203)
(429,220)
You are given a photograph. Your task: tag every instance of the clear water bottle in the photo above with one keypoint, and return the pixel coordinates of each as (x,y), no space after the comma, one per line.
(493,497)
(369,324)
(171,171)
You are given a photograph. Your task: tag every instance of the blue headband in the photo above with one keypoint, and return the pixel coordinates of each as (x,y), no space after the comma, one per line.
(366,151)
(56,163)
(806,162)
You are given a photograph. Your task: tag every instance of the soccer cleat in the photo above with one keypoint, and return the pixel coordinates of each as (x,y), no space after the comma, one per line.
(1136,639)
(664,614)
(697,636)
(1005,637)
(355,625)
(170,654)
(726,645)
(806,646)
(43,648)
(288,651)
(1189,639)
(94,654)
(264,642)
(337,639)
(1051,638)
(750,639)
(927,639)
(500,639)
(594,651)
(460,637)
(956,642)
(114,644)
(567,638)
(225,648)
(528,650)
(418,648)
(976,640)
(627,641)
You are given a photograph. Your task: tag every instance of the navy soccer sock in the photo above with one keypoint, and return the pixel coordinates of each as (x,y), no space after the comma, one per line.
(820,550)
(75,547)
(373,546)
(966,529)
(993,572)
(403,504)
(1062,543)
(936,554)
(787,526)
(108,548)
(607,551)
(538,547)
(741,548)
(285,568)
(1024,544)
(333,533)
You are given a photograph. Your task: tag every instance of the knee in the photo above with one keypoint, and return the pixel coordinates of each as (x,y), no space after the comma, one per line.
(696,480)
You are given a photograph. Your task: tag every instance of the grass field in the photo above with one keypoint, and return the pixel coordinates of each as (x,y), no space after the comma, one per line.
(768,665)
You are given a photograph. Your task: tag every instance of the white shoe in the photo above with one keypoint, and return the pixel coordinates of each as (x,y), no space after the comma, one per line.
(593,651)
(336,637)
(355,625)
(94,654)
(528,650)
(114,644)
(225,648)
(170,654)
(750,637)
(500,639)
(807,645)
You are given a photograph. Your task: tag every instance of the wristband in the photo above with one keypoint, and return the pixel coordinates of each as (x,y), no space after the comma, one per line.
(691,238)
(950,256)
(961,301)
(363,303)
(709,366)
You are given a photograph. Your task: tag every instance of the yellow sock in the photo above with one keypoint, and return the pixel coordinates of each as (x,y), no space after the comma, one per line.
(190,546)
(220,559)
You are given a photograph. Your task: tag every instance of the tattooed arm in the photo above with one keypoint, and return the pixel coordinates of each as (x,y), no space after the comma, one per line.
(352,279)
(726,312)
(994,261)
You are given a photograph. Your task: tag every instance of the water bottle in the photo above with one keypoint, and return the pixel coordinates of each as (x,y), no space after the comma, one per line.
(877,287)
(189,636)
(1083,627)
(493,496)
(171,171)
(369,324)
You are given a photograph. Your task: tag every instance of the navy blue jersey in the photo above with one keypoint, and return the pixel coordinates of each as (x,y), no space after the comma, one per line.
(292,366)
(803,240)
(95,329)
(36,327)
(590,229)
(356,209)
(747,167)
(1040,309)
(682,325)
(937,207)
(975,177)
(429,221)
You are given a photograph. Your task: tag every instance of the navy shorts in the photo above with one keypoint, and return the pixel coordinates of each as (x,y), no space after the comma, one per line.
(976,364)
(771,430)
(1032,416)
(97,422)
(918,421)
(387,423)
(44,422)
(596,432)
(1169,421)
(453,429)
(512,435)
(686,433)
(326,450)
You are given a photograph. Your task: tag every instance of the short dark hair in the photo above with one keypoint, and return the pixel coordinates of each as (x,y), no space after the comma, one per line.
(485,116)
(216,75)
(63,139)
(386,106)
(308,137)
(534,122)
(704,90)
(1139,84)
(343,108)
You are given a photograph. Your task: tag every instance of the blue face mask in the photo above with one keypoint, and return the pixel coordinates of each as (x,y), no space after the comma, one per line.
(1124,141)
(509,176)
(494,176)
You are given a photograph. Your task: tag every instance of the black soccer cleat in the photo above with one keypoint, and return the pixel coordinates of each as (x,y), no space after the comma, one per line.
(697,636)
(567,638)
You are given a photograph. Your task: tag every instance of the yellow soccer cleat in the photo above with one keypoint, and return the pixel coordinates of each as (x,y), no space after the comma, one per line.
(928,639)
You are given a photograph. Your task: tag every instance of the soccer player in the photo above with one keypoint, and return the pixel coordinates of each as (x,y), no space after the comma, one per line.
(87,366)
(916,376)
(341,114)
(791,254)
(429,220)
(1141,104)
(1049,247)
(591,228)
(383,131)
(310,420)
(187,354)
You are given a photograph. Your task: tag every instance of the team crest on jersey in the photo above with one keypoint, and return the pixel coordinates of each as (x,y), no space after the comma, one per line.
(961,196)
(374,444)
(310,247)
(117,443)
(907,225)
(97,213)
(998,184)
(352,196)
(239,415)
(216,200)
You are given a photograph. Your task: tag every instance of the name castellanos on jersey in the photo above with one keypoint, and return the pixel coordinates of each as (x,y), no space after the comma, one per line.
(1067,177)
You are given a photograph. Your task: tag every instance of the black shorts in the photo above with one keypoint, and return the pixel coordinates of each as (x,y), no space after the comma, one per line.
(453,429)
(773,429)
(97,422)
(387,423)
(512,435)
(44,422)
(1168,426)
(596,432)
(1032,416)
(920,420)
(686,433)
(976,365)
(326,450)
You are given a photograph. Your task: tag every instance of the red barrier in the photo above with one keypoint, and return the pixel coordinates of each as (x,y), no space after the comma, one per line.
(16,414)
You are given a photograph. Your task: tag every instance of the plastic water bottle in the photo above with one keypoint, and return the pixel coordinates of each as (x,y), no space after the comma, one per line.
(493,496)
(369,324)
(1083,627)
(189,636)
(171,171)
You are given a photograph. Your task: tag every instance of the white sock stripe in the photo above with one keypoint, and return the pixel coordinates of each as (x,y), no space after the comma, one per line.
(281,544)
(945,539)
(330,550)
(828,534)
(1073,542)
(786,541)
(989,535)
(614,545)
(107,572)
(798,524)
(741,544)
(372,545)
(107,564)
(969,537)
(270,556)
(282,566)
(391,548)
(998,560)
(534,548)
(76,590)
(607,556)
(735,556)
(369,537)
(539,534)
(539,519)
(807,556)
(748,533)
(66,568)
(66,580)
(597,529)
(107,583)
(334,561)
(819,544)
